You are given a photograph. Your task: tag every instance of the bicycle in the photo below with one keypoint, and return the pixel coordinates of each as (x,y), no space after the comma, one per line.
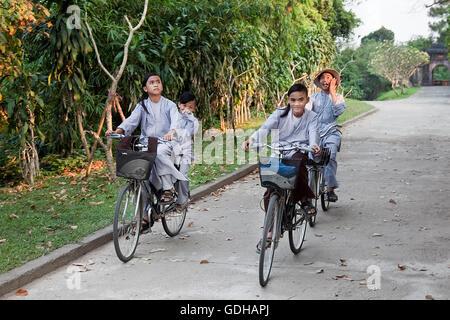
(316,177)
(316,181)
(283,214)
(137,196)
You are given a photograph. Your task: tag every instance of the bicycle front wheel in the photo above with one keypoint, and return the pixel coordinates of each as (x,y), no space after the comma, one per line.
(297,231)
(314,185)
(127,221)
(173,221)
(323,198)
(269,239)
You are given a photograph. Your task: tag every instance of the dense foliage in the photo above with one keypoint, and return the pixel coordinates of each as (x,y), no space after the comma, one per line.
(234,55)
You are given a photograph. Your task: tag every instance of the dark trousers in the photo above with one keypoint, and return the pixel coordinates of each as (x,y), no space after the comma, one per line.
(302,189)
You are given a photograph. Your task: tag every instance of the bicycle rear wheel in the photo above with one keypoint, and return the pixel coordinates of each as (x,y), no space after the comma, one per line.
(173,221)
(298,230)
(268,244)
(127,221)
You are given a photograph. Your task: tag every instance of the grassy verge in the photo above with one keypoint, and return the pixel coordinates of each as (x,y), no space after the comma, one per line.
(354,108)
(63,209)
(390,95)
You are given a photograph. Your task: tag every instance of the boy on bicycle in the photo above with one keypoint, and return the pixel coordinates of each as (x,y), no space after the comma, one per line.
(187,127)
(329,105)
(297,127)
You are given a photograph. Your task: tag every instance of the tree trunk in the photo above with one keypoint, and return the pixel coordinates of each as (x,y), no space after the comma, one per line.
(393,88)
(79,117)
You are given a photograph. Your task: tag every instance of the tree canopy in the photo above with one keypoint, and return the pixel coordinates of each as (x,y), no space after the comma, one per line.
(235,55)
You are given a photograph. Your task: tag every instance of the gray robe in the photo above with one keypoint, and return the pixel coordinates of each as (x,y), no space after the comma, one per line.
(155,120)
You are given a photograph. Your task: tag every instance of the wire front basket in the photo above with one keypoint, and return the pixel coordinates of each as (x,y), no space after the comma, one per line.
(278,173)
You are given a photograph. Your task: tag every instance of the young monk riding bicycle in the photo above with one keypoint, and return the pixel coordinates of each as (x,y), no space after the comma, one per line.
(297,127)
(157,116)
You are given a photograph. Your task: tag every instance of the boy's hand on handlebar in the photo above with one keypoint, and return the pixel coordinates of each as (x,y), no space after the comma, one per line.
(110,132)
(317,151)
(169,135)
(246,144)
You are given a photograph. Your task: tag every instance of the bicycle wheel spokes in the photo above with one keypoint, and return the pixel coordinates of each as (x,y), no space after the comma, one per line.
(173,221)
(298,230)
(127,221)
(269,239)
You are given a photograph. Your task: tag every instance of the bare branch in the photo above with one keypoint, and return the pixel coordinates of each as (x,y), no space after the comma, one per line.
(99,60)
(436,2)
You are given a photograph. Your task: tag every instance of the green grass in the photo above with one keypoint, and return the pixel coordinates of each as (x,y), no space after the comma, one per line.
(354,108)
(54,212)
(390,95)
(63,209)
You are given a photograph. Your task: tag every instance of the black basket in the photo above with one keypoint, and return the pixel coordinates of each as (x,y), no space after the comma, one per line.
(134,164)
(324,159)
(277,174)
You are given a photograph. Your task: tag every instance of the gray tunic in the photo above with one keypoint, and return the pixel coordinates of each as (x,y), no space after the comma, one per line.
(293,131)
(155,120)
(327,113)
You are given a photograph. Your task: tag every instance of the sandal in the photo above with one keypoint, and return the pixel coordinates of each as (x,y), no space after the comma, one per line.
(145,226)
(332,197)
(167,196)
(259,245)
(308,207)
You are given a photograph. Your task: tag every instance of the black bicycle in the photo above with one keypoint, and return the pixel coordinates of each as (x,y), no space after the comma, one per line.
(138,196)
(280,174)
(316,176)
(316,181)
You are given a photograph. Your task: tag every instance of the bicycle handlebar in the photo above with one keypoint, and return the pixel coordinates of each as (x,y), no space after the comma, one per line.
(283,149)
(336,126)
(120,136)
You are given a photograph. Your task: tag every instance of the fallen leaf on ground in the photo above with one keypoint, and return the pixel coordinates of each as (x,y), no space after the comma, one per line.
(204,261)
(363,283)
(429,297)
(377,235)
(352,198)
(229,239)
(319,271)
(74,227)
(157,250)
(2,240)
(21,292)
(308,263)
(318,235)
(392,201)
(49,244)
(190,224)
(48,229)
(95,203)
(343,276)
(176,260)
(342,262)
(13,216)
(401,267)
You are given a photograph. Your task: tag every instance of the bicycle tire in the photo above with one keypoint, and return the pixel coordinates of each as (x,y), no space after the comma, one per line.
(271,222)
(323,198)
(126,233)
(315,189)
(298,230)
(173,222)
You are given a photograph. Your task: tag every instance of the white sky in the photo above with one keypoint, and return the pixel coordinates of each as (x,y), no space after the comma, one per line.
(405,18)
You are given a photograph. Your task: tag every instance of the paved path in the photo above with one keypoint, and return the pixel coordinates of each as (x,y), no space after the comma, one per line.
(393,213)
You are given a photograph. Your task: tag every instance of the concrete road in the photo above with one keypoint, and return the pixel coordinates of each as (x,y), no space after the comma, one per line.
(393,214)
